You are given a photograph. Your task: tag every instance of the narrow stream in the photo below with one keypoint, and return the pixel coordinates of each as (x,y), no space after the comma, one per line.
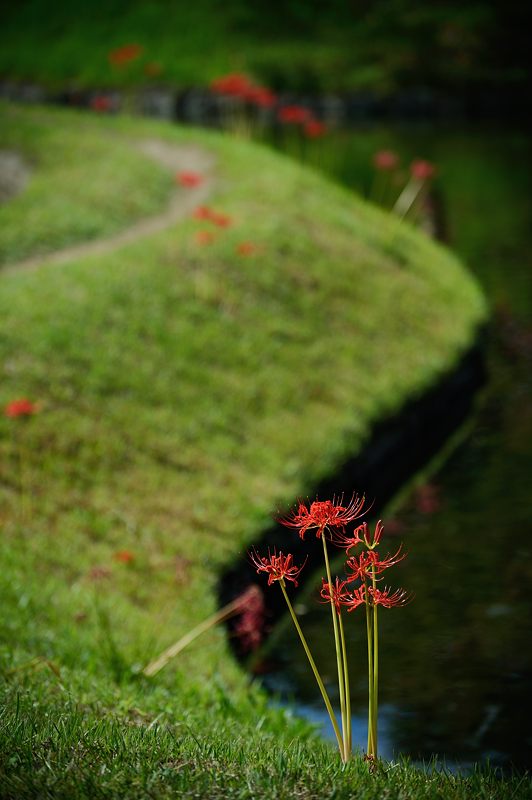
(456,670)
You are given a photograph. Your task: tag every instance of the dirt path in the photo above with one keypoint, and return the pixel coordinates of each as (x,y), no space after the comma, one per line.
(183,201)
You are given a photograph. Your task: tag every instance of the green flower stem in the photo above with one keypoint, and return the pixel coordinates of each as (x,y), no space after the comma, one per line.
(347,689)
(375,678)
(315,671)
(339,661)
(375,668)
(369,628)
(408,197)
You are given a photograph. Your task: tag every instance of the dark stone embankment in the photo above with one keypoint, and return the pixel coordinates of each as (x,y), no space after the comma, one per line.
(398,448)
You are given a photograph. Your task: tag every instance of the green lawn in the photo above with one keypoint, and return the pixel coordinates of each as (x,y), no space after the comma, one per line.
(185,393)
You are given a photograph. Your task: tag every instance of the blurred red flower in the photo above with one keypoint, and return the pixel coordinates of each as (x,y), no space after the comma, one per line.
(21,408)
(260,96)
(249,628)
(125,54)
(202,212)
(217,218)
(153,68)
(97,573)
(314,129)
(246,248)
(101,103)
(385,160)
(294,115)
(222,220)
(236,84)
(124,556)
(189,179)
(205,237)
(427,499)
(422,170)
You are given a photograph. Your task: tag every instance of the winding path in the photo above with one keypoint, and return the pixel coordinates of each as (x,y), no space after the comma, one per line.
(174,158)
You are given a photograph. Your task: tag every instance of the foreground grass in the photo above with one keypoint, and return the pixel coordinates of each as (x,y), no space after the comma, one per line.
(61,743)
(185,392)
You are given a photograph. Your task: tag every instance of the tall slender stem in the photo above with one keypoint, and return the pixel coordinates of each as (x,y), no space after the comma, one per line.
(407,198)
(375,645)
(375,679)
(348,743)
(315,671)
(369,629)
(339,661)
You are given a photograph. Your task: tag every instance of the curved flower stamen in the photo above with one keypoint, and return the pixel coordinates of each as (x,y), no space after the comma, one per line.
(383,597)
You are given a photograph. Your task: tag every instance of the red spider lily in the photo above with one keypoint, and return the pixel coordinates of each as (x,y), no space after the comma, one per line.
(222,220)
(364,536)
(189,179)
(246,249)
(260,96)
(341,539)
(123,55)
(205,237)
(101,103)
(323,514)
(385,160)
(153,68)
(249,628)
(203,212)
(293,115)
(383,597)
(339,595)
(362,567)
(427,499)
(369,564)
(314,129)
(279,567)
(422,170)
(235,85)
(21,408)
(124,556)
(355,598)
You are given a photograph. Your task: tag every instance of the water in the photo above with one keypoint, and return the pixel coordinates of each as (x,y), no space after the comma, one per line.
(456,664)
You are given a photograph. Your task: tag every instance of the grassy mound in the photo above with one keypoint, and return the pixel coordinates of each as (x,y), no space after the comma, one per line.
(185,391)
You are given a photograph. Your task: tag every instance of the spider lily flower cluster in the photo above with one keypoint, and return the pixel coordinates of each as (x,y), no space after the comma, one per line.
(360,587)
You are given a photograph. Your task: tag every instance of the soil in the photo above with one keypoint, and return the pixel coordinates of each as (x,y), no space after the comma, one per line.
(174,158)
(14,175)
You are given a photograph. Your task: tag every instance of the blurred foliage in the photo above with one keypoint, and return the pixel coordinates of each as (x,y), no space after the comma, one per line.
(291,44)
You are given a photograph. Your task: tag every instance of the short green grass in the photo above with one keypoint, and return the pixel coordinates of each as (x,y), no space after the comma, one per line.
(186,392)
